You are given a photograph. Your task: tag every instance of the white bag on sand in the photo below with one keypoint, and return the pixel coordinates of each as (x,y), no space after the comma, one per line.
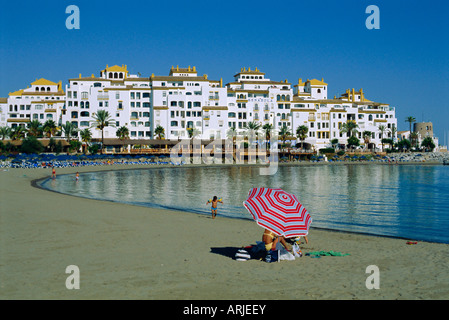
(284,254)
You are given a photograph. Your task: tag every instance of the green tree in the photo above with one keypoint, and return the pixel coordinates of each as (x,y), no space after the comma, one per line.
(31,145)
(49,128)
(102,119)
(86,138)
(122,133)
(414,139)
(5,132)
(252,129)
(35,128)
(284,133)
(18,133)
(69,130)
(428,144)
(159,132)
(404,144)
(382,129)
(394,131)
(410,120)
(350,127)
(334,143)
(353,142)
(367,137)
(75,145)
(301,133)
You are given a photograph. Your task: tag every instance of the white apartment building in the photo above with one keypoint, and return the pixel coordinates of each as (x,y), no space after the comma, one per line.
(187,104)
(126,97)
(325,117)
(43,100)
(183,100)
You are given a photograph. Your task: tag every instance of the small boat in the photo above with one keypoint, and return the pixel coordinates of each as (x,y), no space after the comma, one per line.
(446,162)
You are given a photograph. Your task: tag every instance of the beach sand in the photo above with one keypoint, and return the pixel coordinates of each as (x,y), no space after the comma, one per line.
(131,252)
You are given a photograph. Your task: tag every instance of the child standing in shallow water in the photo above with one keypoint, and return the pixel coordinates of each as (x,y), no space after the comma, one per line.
(214,208)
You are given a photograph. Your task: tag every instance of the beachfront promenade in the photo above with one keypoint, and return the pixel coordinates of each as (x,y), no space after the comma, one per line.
(34,161)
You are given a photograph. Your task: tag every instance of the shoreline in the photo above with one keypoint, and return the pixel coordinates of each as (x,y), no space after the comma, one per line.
(129,252)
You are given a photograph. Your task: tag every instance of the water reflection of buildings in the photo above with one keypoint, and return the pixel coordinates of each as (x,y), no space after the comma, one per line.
(354,197)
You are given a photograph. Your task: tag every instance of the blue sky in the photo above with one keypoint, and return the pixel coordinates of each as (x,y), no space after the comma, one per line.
(405,63)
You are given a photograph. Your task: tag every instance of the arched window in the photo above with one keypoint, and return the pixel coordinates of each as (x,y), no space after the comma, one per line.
(278,98)
(48,89)
(110,75)
(82,104)
(288,97)
(43,89)
(87,104)
(370,117)
(37,89)
(283,97)
(115,75)
(319,90)
(120,75)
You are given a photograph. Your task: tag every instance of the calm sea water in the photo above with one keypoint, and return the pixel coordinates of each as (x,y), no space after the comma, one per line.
(393,200)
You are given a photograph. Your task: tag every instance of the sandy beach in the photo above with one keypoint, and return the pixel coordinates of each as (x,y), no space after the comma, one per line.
(130,252)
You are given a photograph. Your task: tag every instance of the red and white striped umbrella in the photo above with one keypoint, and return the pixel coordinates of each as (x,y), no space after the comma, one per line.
(278,211)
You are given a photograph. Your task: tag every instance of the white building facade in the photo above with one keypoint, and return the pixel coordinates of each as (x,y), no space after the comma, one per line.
(185,104)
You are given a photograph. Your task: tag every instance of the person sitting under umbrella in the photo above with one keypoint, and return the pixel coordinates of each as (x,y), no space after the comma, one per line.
(270,240)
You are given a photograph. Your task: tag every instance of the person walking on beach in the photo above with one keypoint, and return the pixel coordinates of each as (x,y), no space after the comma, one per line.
(53,172)
(214,207)
(77,176)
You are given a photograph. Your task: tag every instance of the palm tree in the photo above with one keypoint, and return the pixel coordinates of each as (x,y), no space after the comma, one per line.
(284,133)
(350,127)
(34,128)
(267,129)
(69,130)
(252,128)
(86,137)
(193,132)
(159,132)
(122,133)
(382,129)
(366,137)
(5,132)
(301,133)
(18,133)
(410,120)
(49,128)
(393,131)
(414,139)
(102,119)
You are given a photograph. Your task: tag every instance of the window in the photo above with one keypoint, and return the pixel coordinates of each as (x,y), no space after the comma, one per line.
(84,113)
(174,123)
